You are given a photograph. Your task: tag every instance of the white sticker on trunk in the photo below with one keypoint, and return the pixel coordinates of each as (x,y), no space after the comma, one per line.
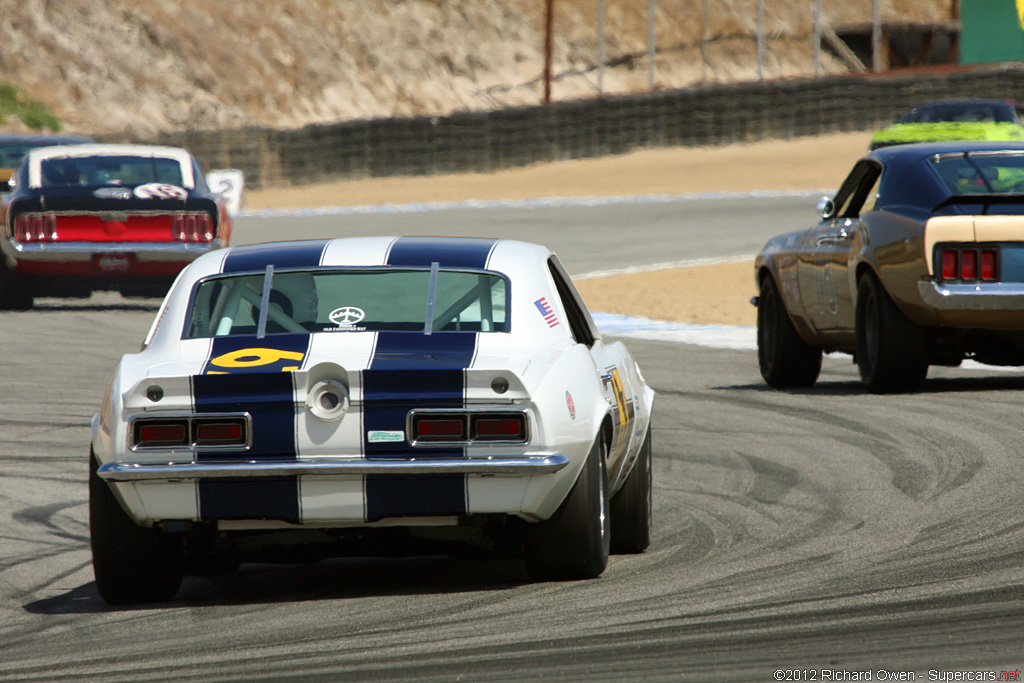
(384,437)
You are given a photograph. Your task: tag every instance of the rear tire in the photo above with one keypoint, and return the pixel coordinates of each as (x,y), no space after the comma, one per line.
(574,542)
(892,353)
(786,360)
(631,507)
(132,564)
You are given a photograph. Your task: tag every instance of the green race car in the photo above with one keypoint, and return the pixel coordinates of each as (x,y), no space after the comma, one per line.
(959,119)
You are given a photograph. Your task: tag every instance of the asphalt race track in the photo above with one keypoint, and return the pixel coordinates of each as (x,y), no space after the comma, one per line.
(815,535)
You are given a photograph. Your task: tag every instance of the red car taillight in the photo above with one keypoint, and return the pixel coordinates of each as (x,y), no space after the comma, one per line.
(160,433)
(467,427)
(988,264)
(192,227)
(949,261)
(498,428)
(439,428)
(219,433)
(969,264)
(36,227)
(191,432)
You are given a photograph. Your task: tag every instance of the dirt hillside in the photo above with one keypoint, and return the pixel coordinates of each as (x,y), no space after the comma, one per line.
(146,66)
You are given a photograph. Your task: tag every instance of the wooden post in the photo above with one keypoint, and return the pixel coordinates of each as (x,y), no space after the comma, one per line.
(600,47)
(876,36)
(817,37)
(652,49)
(548,22)
(760,39)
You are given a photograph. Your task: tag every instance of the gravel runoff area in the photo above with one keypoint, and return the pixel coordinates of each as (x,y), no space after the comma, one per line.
(702,294)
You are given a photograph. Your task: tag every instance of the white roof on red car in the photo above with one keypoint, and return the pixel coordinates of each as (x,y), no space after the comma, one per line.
(35,158)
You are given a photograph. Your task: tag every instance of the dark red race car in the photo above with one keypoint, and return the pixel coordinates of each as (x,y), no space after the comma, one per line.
(126,218)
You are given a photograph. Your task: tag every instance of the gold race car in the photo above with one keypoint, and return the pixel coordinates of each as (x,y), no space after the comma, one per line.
(917,260)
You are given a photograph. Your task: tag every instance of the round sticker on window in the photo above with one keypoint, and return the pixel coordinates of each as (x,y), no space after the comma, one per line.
(347,316)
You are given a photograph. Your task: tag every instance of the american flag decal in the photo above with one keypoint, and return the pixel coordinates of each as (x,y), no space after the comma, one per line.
(545,310)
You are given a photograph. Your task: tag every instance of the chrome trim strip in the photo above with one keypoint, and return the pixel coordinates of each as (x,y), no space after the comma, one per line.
(995,296)
(52,251)
(218,469)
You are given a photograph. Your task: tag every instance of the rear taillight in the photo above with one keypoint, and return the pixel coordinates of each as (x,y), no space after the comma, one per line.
(447,428)
(499,428)
(949,261)
(161,433)
(988,264)
(958,264)
(218,432)
(197,431)
(192,227)
(444,427)
(969,265)
(36,227)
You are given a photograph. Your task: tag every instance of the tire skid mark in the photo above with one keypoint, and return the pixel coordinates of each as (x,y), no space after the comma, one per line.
(10,422)
(909,474)
(927,456)
(732,526)
(772,481)
(43,515)
(743,504)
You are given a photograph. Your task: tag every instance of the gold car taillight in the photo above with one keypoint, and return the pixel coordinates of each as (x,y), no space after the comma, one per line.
(969,264)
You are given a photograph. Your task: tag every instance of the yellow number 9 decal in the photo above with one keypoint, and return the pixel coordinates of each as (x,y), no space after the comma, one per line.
(250,358)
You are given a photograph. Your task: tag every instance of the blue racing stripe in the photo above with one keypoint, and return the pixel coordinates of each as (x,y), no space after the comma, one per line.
(256,257)
(269,400)
(413,370)
(247,375)
(449,252)
(415,350)
(272,498)
(424,496)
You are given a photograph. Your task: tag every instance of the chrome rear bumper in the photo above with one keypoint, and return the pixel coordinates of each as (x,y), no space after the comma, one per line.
(996,296)
(84,251)
(221,469)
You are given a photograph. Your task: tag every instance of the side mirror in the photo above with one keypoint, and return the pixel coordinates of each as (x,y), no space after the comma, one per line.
(826,209)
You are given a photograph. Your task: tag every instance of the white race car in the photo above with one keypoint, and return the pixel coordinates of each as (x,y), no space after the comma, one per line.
(371,396)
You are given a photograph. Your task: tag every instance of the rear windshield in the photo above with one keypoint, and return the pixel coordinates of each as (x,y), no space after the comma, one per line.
(348,300)
(109,170)
(981,173)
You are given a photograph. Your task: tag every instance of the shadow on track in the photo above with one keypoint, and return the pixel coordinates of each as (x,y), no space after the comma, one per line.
(334,579)
(938,385)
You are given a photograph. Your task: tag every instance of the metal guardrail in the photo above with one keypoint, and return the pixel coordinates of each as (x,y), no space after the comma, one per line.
(492,140)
